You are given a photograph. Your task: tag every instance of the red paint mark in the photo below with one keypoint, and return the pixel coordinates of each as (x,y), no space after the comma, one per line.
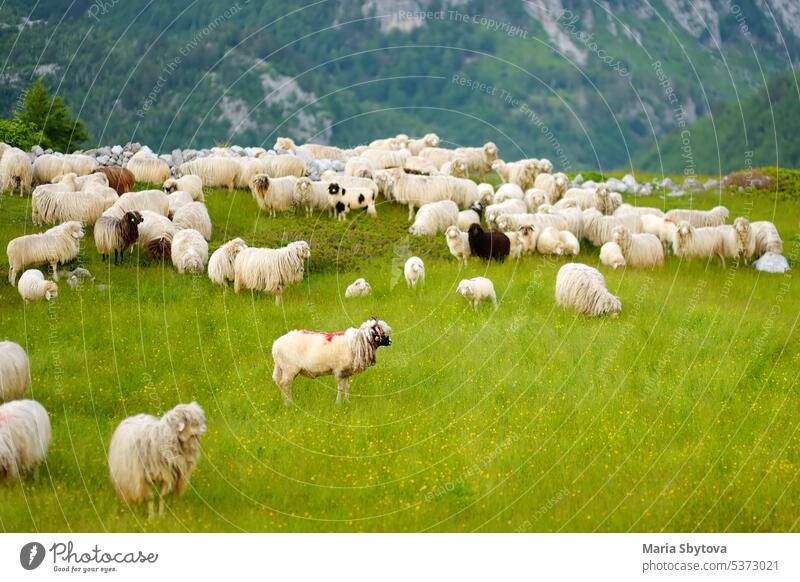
(667,219)
(329,335)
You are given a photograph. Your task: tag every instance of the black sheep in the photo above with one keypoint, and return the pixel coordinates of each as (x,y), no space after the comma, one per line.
(488,245)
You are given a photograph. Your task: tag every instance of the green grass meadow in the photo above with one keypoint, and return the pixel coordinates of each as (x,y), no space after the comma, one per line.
(680,415)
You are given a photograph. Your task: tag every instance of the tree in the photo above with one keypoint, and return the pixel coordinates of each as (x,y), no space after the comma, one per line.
(53,120)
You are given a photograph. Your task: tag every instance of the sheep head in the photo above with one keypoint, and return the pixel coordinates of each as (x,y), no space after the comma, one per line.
(622,236)
(302,248)
(452,232)
(50,290)
(465,289)
(504,222)
(188,421)
(302,189)
(284,143)
(432,140)
(490,151)
(378,332)
(170,186)
(475,230)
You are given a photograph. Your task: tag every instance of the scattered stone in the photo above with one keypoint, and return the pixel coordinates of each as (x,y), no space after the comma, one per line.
(116,150)
(667,184)
(711,185)
(676,193)
(578,180)
(772,263)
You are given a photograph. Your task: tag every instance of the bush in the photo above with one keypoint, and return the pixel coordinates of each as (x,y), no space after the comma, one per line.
(18,133)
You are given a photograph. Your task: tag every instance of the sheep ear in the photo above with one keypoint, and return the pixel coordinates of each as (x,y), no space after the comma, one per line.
(47,295)
(181,426)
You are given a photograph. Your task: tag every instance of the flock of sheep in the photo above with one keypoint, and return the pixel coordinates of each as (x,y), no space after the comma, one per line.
(533,211)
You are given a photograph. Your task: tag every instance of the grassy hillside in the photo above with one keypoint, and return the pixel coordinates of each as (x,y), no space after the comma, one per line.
(680,415)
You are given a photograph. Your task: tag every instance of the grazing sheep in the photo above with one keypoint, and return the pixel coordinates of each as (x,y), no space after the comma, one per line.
(508,192)
(572,215)
(430,140)
(730,247)
(414,272)
(434,218)
(341,354)
(535,199)
(467,217)
(273,194)
(419,165)
(155,235)
(540,221)
(458,243)
(344,200)
(358,288)
(698,218)
(703,242)
(220,265)
(549,243)
(189,251)
(147,167)
(765,238)
(488,245)
(283,165)
(479,160)
(553,185)
(583,288)
(598,229)
(383,159)
(148,452)
(214,171)
(270,270)
(16,172)
(249,167)
(313,195)
(121,180)
(512,206)
(360,167)
(523,241)
(640,250)
(24,438)
(485,193)
(186,183)
(569,243)
(476,290)
(177,199)
(611,255)
(117,233)
(456,167)
(152,200)
(32,286)
(15,371)
(521,173)
(352,181)
(195,216)
(638,210)
(60,244)
(660,226)
(48,207)
(47,167)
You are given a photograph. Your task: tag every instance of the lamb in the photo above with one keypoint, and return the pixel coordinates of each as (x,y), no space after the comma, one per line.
(640,250)
(313,195)
(194,216)
(699,218)
(549,243)
(430,140)
(513,206)
(186,183)
(353,198)
(48,207)
(598,229)
(419,165)
(177,199)
(553,185)
(434,218)
(270,270)
(467,217)
(479,160)
(488,245)
(148,452)
(476,290)
(691,242)
(146,167)
(60,244)
(523,241)
(121,180)
(47,167)
(214,171)
(508,192)
(638,210)
(458,243)
(24,438)
(283,165)
(414,272)
(382,159)
(611,255)
(569,243)
(583,288)
(358,288)
(33,286)
(155,235)
(15,374)
(152,200)
(220,265)
(273,194)
(16,171)
(189,251)
(521,173)
(360,167)
(115,232)
(341,354)
(456,167)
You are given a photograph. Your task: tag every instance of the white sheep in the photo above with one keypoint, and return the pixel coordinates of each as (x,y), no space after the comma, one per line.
(383,159)
(313,195)
(49,207)
(598,228)
(152,200)
(660,226)
(220,265)
(638,210)
(523,241)
(436,155)
(479,160)
(470,216)
(270,270)
(549,242)
(358,288)
(340,354)
(522,172)
(513,206)
(611,255)
(585,198)
(60,244)
(48,167)
(476,290)
(765,239)
(283,165)
(415,191)
(32,286)
(193,215)
(311,150)
(553,185)
(186,183)
(178,198)
(430,140)
(214,171)
(583,288)
(16,171)
(249,167)
(698,218)
(702,242)
(81,164)
(458,243)
(15,371)
(508,192)
(389,143)
(573,216)
(360,167)
(569,243)
(539,220)
(146,453)
(419,165)
(147,167)
(640,250)
(274,194)
(535,199)
(414,272)
(155,235)
(456,167)
(189,251)
(434,217)
(24,438)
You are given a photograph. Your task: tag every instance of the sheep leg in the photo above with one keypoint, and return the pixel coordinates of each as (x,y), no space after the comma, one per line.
(54,266)
(150,513)
(12,276)
(161,490)
(346,384)
(411,212)
(284,381)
